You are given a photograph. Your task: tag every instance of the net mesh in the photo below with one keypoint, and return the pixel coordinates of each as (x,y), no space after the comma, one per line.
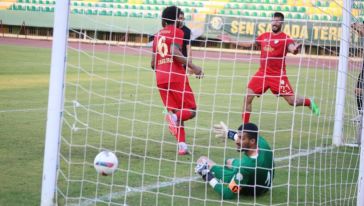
(112,103)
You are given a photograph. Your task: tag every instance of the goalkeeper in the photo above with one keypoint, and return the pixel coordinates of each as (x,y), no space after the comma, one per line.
(251,174)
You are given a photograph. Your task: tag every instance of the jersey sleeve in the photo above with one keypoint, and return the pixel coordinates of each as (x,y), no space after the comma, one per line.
(289,40)
(259,39)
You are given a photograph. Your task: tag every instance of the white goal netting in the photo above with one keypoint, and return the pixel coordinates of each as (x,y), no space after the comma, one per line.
(112,103)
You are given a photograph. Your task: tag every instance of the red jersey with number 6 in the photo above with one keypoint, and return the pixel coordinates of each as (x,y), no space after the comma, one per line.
(274,48)
(167,69)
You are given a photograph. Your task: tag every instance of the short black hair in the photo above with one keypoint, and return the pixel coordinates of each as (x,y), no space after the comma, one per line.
(279,14)
(171,14)
(251,129)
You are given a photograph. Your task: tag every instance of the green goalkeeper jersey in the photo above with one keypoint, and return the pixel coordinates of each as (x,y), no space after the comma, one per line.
(249,175)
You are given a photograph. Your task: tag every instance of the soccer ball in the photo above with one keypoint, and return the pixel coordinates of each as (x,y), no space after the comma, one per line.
(106,163)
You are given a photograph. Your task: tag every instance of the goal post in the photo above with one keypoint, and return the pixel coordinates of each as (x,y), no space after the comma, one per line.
(341,90)
(55,103)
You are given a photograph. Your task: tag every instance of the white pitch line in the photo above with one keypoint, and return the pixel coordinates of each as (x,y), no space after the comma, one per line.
(306,153)
(131,190)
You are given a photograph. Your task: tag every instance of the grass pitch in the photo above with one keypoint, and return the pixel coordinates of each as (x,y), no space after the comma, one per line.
(111,102)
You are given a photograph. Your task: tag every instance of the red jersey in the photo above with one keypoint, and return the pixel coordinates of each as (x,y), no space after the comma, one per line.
(167,69)
(274,48)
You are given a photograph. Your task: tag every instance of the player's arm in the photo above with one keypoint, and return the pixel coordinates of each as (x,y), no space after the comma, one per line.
(294,48)
(245,44)
(222,131)
(152,62)
(178,56)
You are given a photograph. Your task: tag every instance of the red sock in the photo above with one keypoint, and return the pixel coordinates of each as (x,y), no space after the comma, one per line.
(184,114)
(245,116)
(181,134)
(307,102)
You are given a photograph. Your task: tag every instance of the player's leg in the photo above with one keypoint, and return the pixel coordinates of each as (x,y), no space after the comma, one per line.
(282,87)
(187,109)
(256,87)
(171,105)
(183,95)
(247,105)
(204,165)
(214,174)
(359,95)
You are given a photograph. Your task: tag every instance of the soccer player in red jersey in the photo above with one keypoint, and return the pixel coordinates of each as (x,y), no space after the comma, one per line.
(172,81)
(272,71)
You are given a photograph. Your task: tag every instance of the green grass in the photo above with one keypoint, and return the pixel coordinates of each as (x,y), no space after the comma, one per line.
(120,109)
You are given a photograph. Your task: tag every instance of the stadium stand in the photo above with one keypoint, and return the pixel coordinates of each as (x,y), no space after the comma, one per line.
(321,10)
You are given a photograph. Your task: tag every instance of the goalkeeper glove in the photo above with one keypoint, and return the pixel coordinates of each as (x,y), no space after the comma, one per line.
(223,132)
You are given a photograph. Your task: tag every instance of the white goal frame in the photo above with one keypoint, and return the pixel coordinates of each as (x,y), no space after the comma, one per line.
(56,94)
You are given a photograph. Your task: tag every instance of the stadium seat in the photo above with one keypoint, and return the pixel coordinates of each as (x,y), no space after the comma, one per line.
(268,8)
(293,9)
(297,16)
(324,17)
(260,7)
(89,12)
(235,6)
(103,12)
(35,8)
(315,17)
(74,11)
(47,9)
(254,14)
(117,13)
(302,9)
(148,15)
(244,6)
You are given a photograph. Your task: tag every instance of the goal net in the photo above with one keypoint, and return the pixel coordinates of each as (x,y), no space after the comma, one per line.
(111,102)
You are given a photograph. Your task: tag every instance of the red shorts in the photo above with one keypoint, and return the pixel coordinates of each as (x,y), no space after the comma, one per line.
(177,95)
(279,85)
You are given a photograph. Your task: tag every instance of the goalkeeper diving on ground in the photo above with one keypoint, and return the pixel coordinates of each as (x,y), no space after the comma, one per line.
(249,174)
